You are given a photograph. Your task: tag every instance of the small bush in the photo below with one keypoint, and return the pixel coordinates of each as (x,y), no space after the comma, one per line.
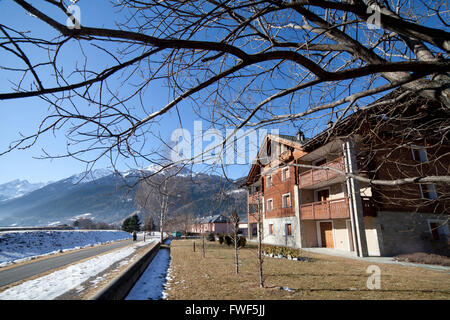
(211,237)
(242,242)
(284,251)
(228,240)
(425,258)
(221,239)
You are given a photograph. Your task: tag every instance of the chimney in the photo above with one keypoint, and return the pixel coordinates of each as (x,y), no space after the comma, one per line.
(300,136)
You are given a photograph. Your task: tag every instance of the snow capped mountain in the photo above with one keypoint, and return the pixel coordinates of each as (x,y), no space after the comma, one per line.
(17,188)
(108,196)
(89,176)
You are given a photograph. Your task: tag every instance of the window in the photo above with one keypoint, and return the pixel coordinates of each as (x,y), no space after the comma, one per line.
(252,207)
(285,174)
(269,205)
(268,181)
(419,154)
(439,230)
(287,229)
(428,191)
(323,195)
(269,148)
(270,228)
(286,200)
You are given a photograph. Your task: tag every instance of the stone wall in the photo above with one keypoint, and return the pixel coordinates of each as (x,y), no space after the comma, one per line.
(403,232)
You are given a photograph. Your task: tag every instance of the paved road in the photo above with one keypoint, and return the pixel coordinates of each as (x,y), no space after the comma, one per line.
(27,270)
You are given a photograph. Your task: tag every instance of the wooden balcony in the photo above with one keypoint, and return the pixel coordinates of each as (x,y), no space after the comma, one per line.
(331,209)
(334,209)
(314,176)
(255,197)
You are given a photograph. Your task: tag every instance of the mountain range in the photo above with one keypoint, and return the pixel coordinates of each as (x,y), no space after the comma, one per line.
(107,196)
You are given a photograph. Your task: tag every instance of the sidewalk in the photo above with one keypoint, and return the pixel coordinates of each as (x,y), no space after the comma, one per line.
(387,260)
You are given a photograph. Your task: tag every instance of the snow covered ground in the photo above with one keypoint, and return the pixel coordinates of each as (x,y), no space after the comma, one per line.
(17,246)
(57,283)
(151,284)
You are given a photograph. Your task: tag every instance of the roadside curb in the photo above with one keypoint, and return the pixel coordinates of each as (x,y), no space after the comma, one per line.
(119,287)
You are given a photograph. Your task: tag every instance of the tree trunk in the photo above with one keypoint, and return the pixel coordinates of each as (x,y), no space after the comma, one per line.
(236,252)
(203,246)
(260,257)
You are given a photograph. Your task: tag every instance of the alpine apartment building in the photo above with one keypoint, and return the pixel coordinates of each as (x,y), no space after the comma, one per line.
(304,206)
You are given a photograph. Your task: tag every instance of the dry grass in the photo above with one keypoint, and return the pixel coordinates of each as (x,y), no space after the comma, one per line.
(325,277)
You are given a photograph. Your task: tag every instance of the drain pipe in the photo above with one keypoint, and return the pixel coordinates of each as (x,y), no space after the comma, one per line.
(355,202)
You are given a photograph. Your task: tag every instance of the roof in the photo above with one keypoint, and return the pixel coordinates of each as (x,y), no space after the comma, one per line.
(255,169)
(353,121)
(218,218)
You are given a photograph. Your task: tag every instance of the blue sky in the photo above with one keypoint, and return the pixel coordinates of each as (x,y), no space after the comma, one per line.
(23,116)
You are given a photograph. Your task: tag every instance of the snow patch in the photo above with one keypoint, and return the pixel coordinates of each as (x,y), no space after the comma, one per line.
(18,246)
(57,283)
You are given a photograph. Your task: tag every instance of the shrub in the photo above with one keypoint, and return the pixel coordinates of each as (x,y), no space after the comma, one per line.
(221,239)
(425,258)
(284,251)
(211,237)
(228,240)
(242,242)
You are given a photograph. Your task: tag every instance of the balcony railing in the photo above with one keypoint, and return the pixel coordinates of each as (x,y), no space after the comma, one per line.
(330,209)
(314,176)
(334,209)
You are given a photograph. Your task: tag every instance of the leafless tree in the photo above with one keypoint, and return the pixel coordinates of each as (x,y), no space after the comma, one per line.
(158,195)
(181,222)
(252,64)
(234,223)
(236,64)
(260,230)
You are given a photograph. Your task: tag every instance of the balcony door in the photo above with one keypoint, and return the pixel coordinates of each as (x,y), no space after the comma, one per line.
(323,195)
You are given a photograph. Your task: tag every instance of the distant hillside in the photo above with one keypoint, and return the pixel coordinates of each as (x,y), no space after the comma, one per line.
(108,197)
(17,188)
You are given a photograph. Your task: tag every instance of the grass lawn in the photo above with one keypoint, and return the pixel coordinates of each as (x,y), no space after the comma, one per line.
(324,277)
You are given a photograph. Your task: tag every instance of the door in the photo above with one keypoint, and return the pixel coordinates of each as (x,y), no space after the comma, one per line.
(326,234)
(323,195)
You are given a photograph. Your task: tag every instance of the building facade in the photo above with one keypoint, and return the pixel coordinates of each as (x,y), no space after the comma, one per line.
(298,191)
(217,224)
